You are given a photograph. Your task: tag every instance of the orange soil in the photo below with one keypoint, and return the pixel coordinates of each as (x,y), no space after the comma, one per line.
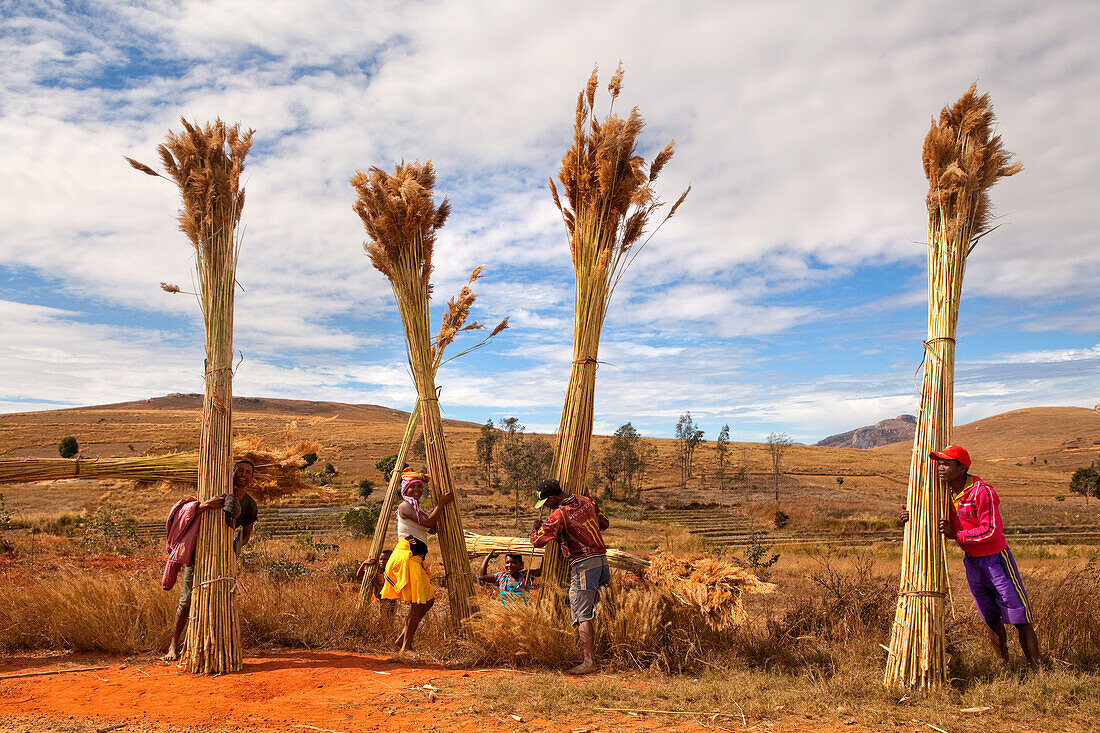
(287,692)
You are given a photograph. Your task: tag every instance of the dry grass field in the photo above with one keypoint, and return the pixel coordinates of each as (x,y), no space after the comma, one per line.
(808,658)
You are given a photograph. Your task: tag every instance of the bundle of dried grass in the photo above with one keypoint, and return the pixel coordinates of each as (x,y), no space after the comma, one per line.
(206,163)
(636,627)
(401,218)
(175,468)
(609,201)
(963,159)
(712,586)
(454,322)
(484,544)
(278,471)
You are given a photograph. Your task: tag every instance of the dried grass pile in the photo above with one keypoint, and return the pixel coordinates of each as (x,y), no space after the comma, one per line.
(278,470)
(206,163)
(963,159)
(709,585)
(636,627)
(609,201)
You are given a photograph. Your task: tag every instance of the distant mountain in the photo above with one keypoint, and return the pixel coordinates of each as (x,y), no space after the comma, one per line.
(885,432)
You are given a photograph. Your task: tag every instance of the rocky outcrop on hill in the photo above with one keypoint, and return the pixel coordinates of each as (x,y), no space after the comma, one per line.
(888,431)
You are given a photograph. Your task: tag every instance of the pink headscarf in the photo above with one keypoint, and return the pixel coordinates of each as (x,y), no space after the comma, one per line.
(408,479)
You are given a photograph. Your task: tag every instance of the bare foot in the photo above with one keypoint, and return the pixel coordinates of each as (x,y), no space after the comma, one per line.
(172,655)
(583,668)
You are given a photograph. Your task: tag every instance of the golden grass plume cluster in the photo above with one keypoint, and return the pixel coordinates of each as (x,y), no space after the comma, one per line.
(711,586)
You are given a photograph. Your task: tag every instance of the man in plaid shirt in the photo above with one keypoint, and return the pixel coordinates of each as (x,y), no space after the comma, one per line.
(576,522)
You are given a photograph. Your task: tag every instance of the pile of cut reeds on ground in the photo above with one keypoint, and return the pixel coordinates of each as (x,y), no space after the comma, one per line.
(174,467)
(963,159)
(278,470)
(206,163)
(609,201)
(455,319)
(478,544)
(401,218)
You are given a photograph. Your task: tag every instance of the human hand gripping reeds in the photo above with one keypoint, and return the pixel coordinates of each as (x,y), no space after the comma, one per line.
(946,528)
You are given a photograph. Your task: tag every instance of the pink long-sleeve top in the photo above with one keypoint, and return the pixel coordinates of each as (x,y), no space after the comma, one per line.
(182,532)
(976,519)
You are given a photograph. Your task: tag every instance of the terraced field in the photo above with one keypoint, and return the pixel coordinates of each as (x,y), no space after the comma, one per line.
(729,528)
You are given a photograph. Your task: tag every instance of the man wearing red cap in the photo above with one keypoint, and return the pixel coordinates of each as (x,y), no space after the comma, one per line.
(974,522)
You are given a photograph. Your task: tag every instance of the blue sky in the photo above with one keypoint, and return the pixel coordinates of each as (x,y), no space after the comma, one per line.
(788,294)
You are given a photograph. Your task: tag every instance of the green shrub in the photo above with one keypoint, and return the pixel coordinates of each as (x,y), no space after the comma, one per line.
(108,530)
(385,465)
(366,486)
(310,459)
(68,448)
(360,521)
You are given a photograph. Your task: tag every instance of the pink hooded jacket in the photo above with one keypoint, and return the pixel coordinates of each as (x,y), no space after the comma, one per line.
(977,520)
(182,532)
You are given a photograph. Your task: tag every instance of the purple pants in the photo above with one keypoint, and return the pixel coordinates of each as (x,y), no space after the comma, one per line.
(997,589)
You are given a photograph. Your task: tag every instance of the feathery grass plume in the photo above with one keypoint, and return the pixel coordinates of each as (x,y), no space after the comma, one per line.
(401,217)
(963,159)
(609,203)
(453,323)
(206,162)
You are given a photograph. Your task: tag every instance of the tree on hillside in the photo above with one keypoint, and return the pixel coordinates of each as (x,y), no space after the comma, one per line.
(1086,481)
(485,444)
(778,443)
(68,447)
(721,451)
(386,464)
(524,460)
(624,459)
(688,438)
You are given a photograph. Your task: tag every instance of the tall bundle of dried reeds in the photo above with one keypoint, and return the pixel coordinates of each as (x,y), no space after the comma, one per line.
(610,199)
(401,219)
(206,163)
(963,159)
(454,322)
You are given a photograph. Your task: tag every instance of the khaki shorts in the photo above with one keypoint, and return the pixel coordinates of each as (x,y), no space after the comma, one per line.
(586,577)
(187,577)
(187,580)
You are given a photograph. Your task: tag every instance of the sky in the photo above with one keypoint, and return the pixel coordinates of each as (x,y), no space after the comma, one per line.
(787,295)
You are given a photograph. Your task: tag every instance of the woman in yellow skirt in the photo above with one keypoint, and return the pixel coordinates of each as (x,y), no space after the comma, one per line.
(406,577)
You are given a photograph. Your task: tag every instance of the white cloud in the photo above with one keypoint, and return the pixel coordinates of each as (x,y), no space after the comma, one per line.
(798,124)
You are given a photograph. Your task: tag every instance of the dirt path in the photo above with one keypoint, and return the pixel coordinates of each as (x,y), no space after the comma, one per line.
(287,692)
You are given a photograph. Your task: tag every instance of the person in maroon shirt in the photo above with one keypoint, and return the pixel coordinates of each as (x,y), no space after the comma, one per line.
(576,522)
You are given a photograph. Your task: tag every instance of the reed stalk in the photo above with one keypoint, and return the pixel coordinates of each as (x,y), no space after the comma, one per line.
(609,201)
(401,219)
(962,161)
(206,163)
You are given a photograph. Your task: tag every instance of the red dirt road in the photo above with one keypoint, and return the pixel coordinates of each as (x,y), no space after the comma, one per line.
(284,692)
